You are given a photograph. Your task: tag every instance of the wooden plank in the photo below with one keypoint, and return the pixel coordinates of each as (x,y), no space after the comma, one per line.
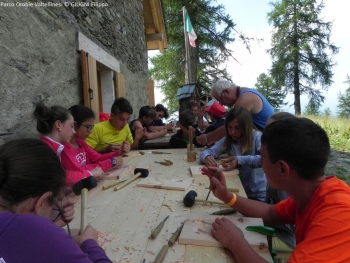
(88,46)
(119,85)
(85,77)
(196,171)
(197,231)
(180,184)
(151,101)
(93,85)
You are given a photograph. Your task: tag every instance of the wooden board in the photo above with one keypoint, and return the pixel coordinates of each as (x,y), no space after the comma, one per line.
(120,172)
(180,184)
(196,171)
(196,231)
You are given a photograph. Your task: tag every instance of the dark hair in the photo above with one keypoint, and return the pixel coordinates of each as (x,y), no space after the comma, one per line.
(121,105)
(280,116)
(160,107)
(47,116)
(301,143)
(81,113)
(192,103)
(147,111)
(246,125)
(187,118)
(28,168)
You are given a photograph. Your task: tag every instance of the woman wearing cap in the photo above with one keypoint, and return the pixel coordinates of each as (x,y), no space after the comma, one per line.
(217,114)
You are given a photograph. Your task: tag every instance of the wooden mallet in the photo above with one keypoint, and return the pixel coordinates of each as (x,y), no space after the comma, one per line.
(81,188)
(139,172)
(190,199)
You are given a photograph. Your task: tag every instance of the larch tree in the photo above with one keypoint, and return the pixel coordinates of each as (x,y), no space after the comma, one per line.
(343,108)
(301,49)
(271,91)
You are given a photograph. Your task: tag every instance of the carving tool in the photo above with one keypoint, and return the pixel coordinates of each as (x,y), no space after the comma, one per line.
(232,190)
(190,199)
(159,152)
(157,230)
(175,236)
(211,186)
(164,163)
(161,254)
(169,161)
(113,144)
(224,212)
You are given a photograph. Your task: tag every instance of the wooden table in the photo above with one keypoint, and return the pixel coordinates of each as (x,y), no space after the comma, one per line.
(158,143)
(127,217)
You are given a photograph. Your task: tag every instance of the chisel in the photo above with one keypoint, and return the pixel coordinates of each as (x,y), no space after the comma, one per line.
(176,234)
(157,230)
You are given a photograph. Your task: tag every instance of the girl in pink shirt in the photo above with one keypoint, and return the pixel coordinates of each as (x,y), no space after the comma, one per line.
(79,158)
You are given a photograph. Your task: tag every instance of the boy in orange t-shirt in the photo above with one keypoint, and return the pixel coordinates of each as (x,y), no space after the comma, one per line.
(294,154)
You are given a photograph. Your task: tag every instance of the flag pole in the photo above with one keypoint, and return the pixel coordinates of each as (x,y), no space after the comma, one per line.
(187,67)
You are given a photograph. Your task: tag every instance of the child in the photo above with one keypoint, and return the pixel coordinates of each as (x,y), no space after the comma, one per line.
(80,159)
(31,189)
(196,109)
(146,116)
(56,125)
(217,114)
(284,232)
(242,141)
(181,138)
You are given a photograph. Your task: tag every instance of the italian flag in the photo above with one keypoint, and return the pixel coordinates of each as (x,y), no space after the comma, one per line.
(191,34)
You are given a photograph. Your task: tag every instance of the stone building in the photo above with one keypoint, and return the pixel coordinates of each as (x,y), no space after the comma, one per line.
(75,52)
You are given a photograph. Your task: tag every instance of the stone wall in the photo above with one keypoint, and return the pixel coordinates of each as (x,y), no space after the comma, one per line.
(39,58)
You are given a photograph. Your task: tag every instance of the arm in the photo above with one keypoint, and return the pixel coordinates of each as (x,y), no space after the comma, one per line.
(247,207)
(208,156)
(212,137)
(59,246)
(155,134)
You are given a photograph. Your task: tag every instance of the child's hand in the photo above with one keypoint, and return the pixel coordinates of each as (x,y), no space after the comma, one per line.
(229,163)
(89,233)
(210,161)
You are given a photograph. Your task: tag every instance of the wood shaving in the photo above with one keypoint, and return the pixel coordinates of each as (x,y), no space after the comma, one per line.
(104,238)
(185,209)
(223,255)
(150,252)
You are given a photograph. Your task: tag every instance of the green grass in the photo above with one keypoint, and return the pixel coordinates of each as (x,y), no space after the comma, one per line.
(337,129)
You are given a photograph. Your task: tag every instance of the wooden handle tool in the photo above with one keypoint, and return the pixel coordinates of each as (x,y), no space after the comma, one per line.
(211,186)
(161,254)
(224,212)
(209,202)
(112,185)
(118,187)
(159,152)
(175,236)
(157,230)
(164,163)
(232,190)
(83,216)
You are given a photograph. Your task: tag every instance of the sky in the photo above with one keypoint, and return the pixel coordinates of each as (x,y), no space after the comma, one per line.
(250,18)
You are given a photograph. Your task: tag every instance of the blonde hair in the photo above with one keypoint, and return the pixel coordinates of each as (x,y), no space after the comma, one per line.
(246,125)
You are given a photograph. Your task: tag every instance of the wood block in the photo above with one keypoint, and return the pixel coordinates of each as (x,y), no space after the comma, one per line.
(120,172)
(197,231)
(180,184)
(196,171)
